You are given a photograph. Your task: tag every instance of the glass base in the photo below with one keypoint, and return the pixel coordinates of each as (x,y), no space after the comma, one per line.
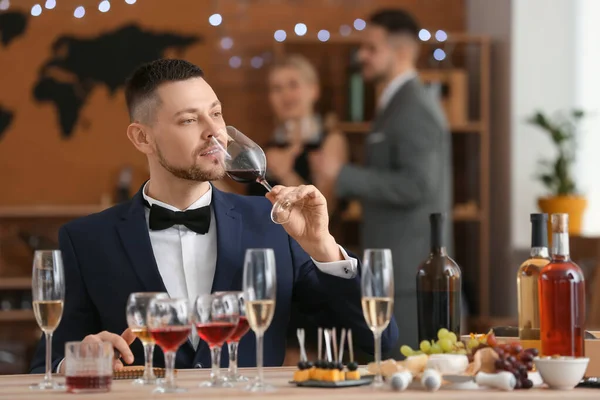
(260,387)
(282,209)
(170,389)
(145,381)
(52,385)
(237,378)
(221,382)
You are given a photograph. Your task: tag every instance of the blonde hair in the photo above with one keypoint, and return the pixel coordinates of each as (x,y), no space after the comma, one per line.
(300,64)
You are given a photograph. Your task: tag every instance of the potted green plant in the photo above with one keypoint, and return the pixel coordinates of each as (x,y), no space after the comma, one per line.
(557,174)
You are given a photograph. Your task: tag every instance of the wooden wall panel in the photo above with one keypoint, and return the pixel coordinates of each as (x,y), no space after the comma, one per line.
(37,166)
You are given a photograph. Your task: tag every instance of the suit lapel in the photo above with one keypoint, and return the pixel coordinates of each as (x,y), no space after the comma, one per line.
(391,106)
(133,231)
(229,237)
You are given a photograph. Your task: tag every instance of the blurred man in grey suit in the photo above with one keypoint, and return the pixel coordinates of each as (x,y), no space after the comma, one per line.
(408,173)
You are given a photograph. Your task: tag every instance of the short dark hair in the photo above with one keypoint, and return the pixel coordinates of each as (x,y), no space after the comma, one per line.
(142,84)
(396,21)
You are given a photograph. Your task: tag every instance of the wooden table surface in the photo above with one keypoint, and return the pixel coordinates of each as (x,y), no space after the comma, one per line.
(16,387)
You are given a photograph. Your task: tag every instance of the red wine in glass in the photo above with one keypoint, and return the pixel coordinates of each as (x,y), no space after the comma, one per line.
(88,383)
(215,333)
(169,339)
(242,328)
(245,161)
(246,175)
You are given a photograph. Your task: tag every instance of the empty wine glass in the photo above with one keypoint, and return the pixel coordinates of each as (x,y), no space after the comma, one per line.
(48,292)
(136,311)
(245,162)
(216,318)
(377,284)
(259,292)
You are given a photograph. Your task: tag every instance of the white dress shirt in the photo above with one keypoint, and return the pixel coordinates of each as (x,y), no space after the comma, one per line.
(393,87)
(187,260)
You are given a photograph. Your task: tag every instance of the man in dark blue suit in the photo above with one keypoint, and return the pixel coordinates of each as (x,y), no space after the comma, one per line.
(182,236)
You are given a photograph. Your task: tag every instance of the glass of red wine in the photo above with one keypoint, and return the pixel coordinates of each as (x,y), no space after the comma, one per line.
(232,343)
(216,317)
(245,162)
(170,325)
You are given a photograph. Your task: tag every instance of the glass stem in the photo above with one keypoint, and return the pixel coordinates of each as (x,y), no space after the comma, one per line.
(259,359)
(233,367)
(170,369)
(48,376)
(264,182)
(216,364)
(149,352)
(378,377)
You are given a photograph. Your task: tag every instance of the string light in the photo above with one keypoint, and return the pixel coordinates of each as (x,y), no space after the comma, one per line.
(130,1)
(215,19)
(226,43)
(36,10)
(323,35)
(441,36)
(235,62)
(104,6)
(256,62)
(280,35)
(300,29)
(79,12)
(439,54)
(359,24)
(424,35)
(50,4)
(345,30)
(4,4)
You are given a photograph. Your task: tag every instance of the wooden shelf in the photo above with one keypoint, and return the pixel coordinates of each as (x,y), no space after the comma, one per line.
(365,127)
(461,212)
(50,211)
(16,315)
(15,283)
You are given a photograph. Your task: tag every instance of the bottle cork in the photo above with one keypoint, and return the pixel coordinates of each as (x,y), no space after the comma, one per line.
(560,223)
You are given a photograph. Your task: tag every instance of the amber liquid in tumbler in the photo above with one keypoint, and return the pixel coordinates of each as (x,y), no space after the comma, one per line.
(562,298)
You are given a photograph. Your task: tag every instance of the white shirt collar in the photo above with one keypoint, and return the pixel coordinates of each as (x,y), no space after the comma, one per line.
(393,87)
(204,200)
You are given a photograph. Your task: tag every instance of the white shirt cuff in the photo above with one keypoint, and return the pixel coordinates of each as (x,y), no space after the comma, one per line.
(345,268)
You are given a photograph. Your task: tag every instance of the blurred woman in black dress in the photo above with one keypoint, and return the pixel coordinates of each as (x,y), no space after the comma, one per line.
(300,132)
(299,136)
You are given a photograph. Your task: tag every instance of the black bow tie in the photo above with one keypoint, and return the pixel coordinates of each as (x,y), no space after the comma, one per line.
(197,220)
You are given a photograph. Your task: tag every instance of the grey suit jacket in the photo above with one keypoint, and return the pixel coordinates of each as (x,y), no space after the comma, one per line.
(407,176)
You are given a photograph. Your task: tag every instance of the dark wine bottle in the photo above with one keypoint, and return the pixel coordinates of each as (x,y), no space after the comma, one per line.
(438,287)
(356,90)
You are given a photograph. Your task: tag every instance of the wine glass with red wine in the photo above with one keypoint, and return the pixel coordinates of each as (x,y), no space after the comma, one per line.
(170,325)
(234,340)
(216,317)
(245,162)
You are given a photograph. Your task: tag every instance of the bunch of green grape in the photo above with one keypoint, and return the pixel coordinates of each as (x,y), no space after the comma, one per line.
(447,343)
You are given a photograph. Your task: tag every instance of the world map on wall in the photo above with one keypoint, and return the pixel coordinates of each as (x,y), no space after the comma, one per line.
(79,65)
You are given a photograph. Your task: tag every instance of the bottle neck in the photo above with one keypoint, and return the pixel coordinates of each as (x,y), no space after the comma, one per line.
(560,245)
(438,251)
(539,252)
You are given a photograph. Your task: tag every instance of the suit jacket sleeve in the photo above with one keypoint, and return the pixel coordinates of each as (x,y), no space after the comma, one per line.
(416,150)
(338,301)
(80,317)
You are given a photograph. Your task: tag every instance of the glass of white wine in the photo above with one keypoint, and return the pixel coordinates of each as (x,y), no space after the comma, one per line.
(377,283)
(48,294)
(260,284)
(136,311)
